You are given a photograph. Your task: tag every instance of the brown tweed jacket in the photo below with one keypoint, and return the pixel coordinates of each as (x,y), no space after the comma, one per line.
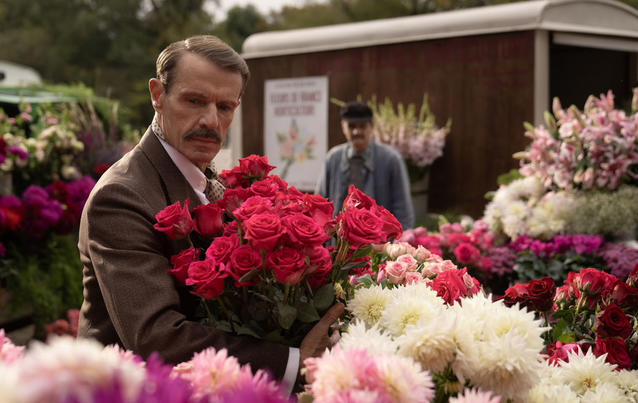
(129,298)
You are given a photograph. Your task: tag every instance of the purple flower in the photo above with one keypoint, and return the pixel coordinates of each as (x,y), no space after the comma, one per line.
(619,258)
(80,189)
(19,152)
(503,260)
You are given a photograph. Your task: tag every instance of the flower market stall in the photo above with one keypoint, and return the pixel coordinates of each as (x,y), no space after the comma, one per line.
(53,145)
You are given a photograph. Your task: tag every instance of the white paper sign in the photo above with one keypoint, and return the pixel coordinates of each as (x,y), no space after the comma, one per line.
(296,128)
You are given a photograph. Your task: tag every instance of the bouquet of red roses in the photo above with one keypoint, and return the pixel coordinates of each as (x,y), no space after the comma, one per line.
(266,258)
(591,310)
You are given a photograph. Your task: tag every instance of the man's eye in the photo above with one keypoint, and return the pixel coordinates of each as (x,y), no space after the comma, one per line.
(195,101)
(225,107)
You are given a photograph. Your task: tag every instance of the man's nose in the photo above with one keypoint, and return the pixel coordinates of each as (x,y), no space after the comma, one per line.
(209,118)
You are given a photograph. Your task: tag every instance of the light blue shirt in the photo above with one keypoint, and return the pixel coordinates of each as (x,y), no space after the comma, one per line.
(386,179)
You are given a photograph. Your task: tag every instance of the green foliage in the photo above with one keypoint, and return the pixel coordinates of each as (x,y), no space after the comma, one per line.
(530,267)
(44,280)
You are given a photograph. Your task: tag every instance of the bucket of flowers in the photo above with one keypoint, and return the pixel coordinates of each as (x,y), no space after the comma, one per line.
(259,260)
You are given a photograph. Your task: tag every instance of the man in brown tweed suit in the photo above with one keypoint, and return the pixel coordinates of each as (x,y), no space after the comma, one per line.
(129,297)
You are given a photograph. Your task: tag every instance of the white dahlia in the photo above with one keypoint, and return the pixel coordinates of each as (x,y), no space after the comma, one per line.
(501,350)
(373,339)
(368,303)
(432,343)
(585,372)
(405,309)
(627,381)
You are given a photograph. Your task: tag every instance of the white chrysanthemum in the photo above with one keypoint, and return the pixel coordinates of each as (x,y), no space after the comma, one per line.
(432,343)
(406,309)
(627,382)
(605,392)
(549,393)
(418,290)
(373,339)
(515,217)
(368,303)
(501,350)
(67,367)
(585,372)
(475,396)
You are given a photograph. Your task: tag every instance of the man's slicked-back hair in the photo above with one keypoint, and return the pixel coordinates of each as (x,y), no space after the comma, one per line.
(208,46)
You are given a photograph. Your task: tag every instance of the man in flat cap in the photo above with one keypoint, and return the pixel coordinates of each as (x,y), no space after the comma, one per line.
(374,168)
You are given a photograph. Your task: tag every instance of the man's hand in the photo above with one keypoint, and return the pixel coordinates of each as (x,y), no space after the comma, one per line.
(318,339)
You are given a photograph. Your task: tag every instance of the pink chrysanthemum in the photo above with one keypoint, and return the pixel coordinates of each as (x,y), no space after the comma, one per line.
(9,352)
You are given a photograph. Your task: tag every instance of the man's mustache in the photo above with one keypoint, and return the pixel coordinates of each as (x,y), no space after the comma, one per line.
(203,132)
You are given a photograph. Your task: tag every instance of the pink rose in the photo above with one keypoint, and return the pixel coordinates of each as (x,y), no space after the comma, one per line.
(221,248)
(263,231)
(255,166)
(287,264)
(319,208)
(174,221)
(421,254)
(231,228)
(302,230)
(395,271)
(360,227)
(207,278)
(243,260)
(181,262)
(560,352)
(410,262)
(413,277)
(253,205)
(208,220)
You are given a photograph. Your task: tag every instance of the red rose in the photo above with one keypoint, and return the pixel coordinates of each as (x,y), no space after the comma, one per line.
(360,227)
(263,231)
(255,166)
(208,220)
(319,208)
(233,178)
(591,281)
(233,198)
(174,221)
(253,205)
(450,286)
(466,253)
(615,349)
(454,239)
(266,187)
(541,294)
(181,262)
(516,294)
(318,259)
(288,203)
(231,228)
(287,264)
(243,260)
(207,278)
(221,247)
(625,295)
(612,322)
(560,352)
(357,199)
(302,230)
(391,226)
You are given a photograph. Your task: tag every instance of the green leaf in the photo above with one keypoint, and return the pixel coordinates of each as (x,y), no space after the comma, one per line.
(307,313)
(567,338)
(558,328)
(248,276)
(324,297)
(246,330)
(361,252)
(305,398)
(287,315)
(366,280)
(353,265)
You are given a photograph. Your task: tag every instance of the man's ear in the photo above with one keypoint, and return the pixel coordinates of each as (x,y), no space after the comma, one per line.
(156,89)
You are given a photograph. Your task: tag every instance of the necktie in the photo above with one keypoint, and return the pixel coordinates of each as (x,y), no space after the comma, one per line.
(214,189)
(357,171)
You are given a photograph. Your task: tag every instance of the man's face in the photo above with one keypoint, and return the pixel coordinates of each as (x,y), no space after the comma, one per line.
(358,134)
(197,110)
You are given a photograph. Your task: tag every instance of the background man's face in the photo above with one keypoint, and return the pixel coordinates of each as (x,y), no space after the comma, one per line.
(198,108)
(358,134)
